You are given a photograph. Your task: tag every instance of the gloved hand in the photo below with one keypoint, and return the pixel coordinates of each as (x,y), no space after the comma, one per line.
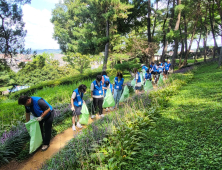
(73,109)
(39,119)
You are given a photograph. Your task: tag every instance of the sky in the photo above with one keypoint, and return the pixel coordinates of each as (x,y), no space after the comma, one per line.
(37,17)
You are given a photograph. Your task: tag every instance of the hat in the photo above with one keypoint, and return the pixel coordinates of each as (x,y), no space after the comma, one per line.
(142,65)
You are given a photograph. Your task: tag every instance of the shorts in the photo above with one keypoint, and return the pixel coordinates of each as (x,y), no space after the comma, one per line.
(137,87)
(77,111)
(153,72)
(166,72)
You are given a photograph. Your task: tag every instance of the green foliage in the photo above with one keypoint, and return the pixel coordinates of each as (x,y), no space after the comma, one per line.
(128,65)
(42,68)
(78,61)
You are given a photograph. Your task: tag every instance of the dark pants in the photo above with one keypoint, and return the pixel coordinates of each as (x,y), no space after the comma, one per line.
(46,132)
(97,102)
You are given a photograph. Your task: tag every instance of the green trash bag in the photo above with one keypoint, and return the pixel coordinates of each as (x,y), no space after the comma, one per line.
(141,78)
(34,131)
(108,100)
(144,72)
(160,82)
(148,85)
(84,117)
(133,82)
(125,94)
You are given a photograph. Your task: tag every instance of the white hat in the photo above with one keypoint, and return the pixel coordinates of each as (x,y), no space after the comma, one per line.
(142,65)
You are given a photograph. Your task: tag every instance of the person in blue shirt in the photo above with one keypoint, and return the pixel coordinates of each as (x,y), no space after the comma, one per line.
(144,67)
(154,71)
(97,95)
(76,103)
(118,87)
(43,112)
(138,80)
(107,85)
(104,77)
(167,69)
(148,76)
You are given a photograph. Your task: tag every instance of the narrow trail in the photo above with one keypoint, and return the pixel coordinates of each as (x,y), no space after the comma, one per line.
(56,144)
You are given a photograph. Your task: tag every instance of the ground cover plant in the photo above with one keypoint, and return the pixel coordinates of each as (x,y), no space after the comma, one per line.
(188,133)
(80,151)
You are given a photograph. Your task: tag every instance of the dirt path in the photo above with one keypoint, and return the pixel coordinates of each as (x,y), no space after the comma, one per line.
(56,144)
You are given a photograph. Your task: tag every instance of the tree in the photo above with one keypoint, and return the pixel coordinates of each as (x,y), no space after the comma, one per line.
(12,31)
(78,61)
(87,26)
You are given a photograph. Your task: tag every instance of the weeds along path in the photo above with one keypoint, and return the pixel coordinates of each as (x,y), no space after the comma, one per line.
(38,159)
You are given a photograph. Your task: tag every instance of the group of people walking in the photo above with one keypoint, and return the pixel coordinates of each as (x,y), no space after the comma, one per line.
(44,112)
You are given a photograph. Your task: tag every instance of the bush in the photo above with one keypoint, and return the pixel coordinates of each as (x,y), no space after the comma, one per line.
(51,83)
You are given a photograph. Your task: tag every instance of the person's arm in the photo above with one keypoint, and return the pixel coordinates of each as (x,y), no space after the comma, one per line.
(27,116)
(92,88)
(72,98)
(45,112)
(136,78)
(103,80)
(44,107)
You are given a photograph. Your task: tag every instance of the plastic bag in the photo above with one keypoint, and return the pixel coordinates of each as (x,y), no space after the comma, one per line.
(125,94)
(148,85)
(141,78)
(34,131)
(108,100)
(84,117)
(160,82)
(133,82)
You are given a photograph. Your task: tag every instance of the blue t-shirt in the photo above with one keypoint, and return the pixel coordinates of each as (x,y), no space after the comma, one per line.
(167,66)
(145,68)
(148,76)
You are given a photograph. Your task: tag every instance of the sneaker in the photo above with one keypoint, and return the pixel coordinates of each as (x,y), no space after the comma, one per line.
(93,116)
(45,147)
(102,115)
(107,109)
(79,125)
(73,127)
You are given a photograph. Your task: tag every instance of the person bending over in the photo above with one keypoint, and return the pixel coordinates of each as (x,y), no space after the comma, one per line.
(44,113)
(76,103)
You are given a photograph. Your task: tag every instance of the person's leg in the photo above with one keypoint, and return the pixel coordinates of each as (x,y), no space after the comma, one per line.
(119,92)
(42,131)
(115,98)
(100,105)
(94,106)
(48,128)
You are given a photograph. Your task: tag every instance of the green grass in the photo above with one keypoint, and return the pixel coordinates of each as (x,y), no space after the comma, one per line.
(5,88)
(191,61)
(188,134)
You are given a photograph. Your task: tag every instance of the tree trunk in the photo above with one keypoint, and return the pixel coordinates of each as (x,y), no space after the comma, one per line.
(182,48)
(176,39)
(220,12)
(149,22)
(205,46)
(185,29)
(212,28)
(106,47)
(220,58)
(165,42)
(154,24)
(191,41)
(198,43)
